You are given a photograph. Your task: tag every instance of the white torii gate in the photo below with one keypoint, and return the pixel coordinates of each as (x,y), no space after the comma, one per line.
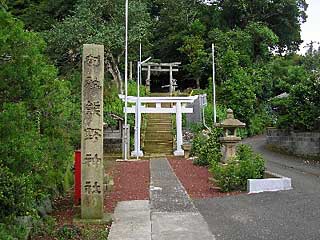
(179,107)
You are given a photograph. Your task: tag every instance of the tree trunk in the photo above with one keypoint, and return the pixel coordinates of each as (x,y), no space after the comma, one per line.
(198,82)
(113,68)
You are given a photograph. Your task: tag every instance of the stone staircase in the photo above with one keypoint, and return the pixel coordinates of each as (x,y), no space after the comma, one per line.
(158,138)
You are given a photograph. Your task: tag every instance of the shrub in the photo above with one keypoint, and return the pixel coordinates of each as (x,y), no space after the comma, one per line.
(12,232)
(43,227)
(68,232)
(259,121)
(234,175)
(39,122)
(198,143)
(207,147)
(15,195)
(300,111)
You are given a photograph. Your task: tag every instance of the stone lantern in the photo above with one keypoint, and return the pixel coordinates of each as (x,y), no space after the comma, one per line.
(230,139)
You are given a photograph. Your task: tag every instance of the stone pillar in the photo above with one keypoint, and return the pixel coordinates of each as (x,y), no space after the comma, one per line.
(148,80)
(179,151)
(171,81)
(92,170)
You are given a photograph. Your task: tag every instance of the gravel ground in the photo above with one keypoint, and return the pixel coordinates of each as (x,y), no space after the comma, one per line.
(195,179)
(131,182)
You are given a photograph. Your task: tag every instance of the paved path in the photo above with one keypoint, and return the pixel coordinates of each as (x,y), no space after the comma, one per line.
(131,221)
(173,215)
(166,192)
(287,215)
(305,174)
(170,215)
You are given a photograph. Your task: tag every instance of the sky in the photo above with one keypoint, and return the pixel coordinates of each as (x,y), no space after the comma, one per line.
(311,29)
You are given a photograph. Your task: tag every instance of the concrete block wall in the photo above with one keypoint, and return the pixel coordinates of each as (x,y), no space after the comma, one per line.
(299,143)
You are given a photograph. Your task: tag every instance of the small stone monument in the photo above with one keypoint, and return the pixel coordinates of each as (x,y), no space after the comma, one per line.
(230,139)
(112,135)
(92,170)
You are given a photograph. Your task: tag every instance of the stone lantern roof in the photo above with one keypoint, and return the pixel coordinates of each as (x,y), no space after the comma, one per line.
(231,121)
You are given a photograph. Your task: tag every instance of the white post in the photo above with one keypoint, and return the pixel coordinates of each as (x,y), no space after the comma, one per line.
(179,151)
(126,147)
(171,79)
(214,88)
(137,152)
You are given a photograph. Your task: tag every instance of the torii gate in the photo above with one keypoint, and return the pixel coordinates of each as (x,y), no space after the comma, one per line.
(178,107)
(161,67)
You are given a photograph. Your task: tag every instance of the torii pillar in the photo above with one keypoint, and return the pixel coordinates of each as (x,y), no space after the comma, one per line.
(179,151)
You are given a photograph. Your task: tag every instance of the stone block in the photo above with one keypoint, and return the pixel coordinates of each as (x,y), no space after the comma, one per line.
(300,143)
(279,183)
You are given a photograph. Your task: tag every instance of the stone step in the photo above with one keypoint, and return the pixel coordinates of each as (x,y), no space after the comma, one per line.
(155,120)
(159,125)
(158,148)
(156,142)
(159,120)
(159,115)
(160,131)
(158,136)
(157,154)
(162,127)
(159,142)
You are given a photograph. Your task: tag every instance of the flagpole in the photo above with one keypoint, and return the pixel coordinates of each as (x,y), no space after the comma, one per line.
(126,85)
(214,88)
(138,101)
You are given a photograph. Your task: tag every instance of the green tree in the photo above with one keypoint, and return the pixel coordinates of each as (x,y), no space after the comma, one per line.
(311,61)
(300,110)
(100,22)
(194,48)
(283,17)
(238,93)
(172,19)
(38,119)
(22,67)
(39,15)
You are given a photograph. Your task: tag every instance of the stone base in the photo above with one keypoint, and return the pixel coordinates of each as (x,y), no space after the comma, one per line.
(107,218)
(134,154)
(275,183)
(178,153)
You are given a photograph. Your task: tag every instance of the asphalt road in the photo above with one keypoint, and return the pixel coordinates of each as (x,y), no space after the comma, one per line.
(287,215)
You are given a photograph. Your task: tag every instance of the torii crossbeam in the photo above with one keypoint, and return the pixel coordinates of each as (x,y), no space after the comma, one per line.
(178,107)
